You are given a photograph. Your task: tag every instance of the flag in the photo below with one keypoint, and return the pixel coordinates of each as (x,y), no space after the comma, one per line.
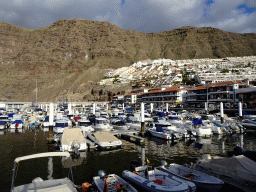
(148,161)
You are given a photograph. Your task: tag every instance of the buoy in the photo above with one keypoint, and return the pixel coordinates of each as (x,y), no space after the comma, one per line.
(85,186)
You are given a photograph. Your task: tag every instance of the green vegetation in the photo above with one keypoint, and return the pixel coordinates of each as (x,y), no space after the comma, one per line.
(224,71)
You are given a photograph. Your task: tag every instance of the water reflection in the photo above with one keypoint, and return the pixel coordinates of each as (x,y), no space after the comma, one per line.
(87,164)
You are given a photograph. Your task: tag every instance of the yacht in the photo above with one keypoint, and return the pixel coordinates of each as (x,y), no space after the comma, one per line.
(60,125)
(85,125)
(101,124)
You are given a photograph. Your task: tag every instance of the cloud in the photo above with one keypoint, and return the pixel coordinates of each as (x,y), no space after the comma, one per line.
(140,15)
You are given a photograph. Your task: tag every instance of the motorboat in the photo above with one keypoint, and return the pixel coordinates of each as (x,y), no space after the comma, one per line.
(60,125)
(249,124)
(202,180)
(197,127)
(120,125)
(101,124)
(248,115)
(163,134)
(111,182)
(174,119)
(38,184)
(215,129)
(85,126)
(151,179)
(238,169)
(73,141)
(104,140)
(4,124)
(17,124)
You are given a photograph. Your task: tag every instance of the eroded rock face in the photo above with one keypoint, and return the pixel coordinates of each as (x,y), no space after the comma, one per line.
(72,52)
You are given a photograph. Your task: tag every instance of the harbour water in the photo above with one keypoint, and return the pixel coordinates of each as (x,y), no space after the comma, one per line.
(24,142)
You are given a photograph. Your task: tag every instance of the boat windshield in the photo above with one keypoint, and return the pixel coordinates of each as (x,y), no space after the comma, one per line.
(84,124)
(61,125)
(173,118)
(101,122)
(120,113)
(3,122)
(4,117)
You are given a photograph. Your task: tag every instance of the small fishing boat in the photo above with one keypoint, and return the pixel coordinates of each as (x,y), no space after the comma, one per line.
(105,140)
(111,182)
(151,179)
(202,180)
(38,184)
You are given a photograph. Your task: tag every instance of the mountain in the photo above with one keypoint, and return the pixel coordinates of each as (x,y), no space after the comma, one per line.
(68,57)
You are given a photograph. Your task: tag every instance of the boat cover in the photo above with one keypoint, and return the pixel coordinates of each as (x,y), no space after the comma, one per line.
(17,121)
(236,166)
(105,137)
(72,134)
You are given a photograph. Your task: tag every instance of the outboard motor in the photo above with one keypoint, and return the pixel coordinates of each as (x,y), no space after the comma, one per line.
(163,163)
(101,174)
(134,164)
(75,146)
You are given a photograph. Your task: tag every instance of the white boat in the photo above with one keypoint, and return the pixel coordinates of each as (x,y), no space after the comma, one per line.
(73,141)
(4,124)
(120,125)
(85,125)
(156,180)
(17,124)
(111,182)
(199,129)
(239,169)
(105,140)
(38,184)
(174,119)
(101,124)
(202,180)
(163,134)
(60,125)
(215,129)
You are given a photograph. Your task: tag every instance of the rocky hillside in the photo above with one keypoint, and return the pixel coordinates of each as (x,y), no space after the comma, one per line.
(68,57)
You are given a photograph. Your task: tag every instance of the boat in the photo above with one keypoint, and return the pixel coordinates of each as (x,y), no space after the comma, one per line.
(17,124)
(101,124)
(197,127)
(163,134)
(105,140)
(202,180)
(236,169)
(60,125)
(85,126)
(4,124)
(38,184)
(120,125)
(111,182)
(151,179)
(249,124)
(73,141)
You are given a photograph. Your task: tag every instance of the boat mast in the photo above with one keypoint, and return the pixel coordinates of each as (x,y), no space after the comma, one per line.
(36,91)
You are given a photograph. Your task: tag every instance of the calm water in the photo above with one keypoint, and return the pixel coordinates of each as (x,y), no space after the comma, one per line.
(26,142)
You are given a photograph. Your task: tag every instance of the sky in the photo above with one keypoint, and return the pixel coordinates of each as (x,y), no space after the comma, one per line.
(140,15)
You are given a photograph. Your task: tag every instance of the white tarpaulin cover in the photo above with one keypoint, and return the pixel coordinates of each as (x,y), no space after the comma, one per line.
(72,134)
(237,166)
